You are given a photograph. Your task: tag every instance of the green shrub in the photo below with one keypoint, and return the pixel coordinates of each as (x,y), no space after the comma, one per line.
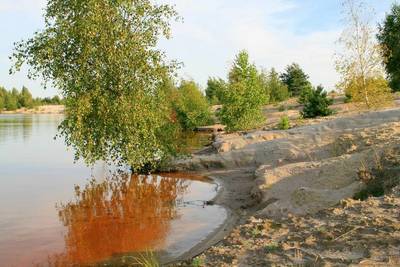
(215,90)
(197,262)
(384,176)
(317,104)
(11,102)
(278,91)
(191,106)
(244,96)
(305,94)
(272,247)
(284,123)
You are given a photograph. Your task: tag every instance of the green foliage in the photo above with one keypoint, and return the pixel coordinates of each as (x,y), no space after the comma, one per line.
(317,104)
(359,61)
(278,91)
(191,106)
(373,92)
(11,101)
(197,262)
(382,178)
(244,96)
(25,98)
(272,247)
(295,79)
(305,93)
(263,80)
(284,123)
(55,100)
(389,39)
(103,57)
(3,93)
(215,90)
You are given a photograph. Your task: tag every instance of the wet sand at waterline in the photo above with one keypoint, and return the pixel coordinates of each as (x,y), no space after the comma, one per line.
(54,212)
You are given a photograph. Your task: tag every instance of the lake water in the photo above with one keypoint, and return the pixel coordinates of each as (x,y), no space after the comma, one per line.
(54,212)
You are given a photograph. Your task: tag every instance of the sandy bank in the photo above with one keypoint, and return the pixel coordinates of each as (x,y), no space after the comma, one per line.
(46,109)
(279,175)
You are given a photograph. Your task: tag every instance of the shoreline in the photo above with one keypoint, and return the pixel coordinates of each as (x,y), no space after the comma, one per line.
(45,109)
(237,211)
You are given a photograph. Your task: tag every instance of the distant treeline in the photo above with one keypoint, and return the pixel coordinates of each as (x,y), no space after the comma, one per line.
(14,99)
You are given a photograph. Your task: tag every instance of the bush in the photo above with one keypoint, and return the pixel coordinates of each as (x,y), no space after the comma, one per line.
(244,96)
(191,106)
(284,123)
(374,92)
(215,90)
(278,91)
(317,104)
(305,93)
(380,179)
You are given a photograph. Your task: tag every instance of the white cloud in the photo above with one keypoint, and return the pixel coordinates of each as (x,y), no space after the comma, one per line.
(214,31)
(277,48)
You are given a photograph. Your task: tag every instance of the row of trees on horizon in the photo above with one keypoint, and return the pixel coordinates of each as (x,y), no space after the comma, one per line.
(14,99)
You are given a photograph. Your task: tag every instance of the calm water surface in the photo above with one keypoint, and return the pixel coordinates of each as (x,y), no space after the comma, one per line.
(57,213)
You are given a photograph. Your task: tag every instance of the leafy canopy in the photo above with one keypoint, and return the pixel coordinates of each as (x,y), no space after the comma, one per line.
(295,79)
(191,106)
(215,90)
(244,96)
(278,91)
(389,39)
(103,57)
(25,98)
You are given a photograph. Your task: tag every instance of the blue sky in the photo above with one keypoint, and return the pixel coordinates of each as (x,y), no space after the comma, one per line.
(275,32)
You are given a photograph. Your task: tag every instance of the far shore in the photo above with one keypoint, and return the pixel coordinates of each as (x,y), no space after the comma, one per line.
(45,109)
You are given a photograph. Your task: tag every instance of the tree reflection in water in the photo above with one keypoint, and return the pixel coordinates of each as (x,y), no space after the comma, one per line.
(125,213)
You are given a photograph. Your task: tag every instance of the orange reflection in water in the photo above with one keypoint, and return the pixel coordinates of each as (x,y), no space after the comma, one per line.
(120,215)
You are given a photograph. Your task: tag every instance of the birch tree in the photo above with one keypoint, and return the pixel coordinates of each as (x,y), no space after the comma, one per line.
(103,57)
(359,61)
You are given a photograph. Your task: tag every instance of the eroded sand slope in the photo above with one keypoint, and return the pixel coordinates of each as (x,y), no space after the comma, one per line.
(305,169)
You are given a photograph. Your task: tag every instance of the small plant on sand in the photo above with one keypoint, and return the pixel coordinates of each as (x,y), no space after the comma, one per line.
(284,123)
(281,108)
(271,247)
(255,233)
(197,262)
(382,177)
